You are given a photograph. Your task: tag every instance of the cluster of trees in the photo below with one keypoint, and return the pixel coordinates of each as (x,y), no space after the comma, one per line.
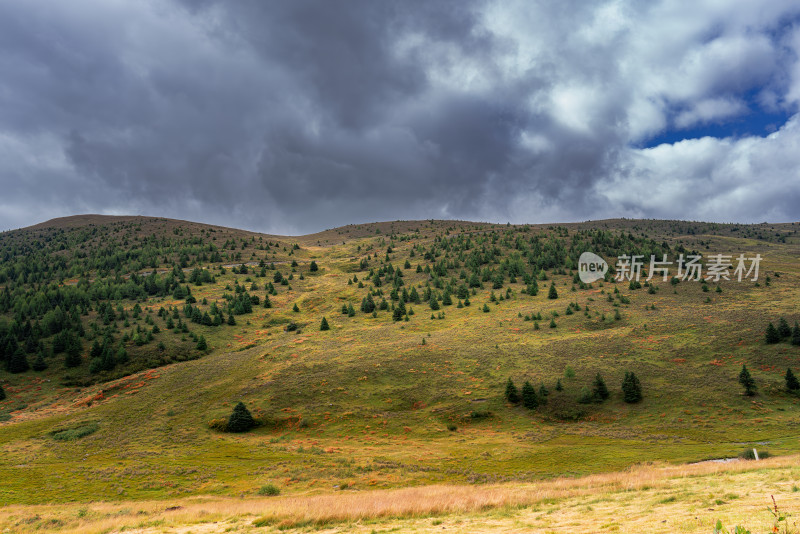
(783,332)
(41,316)
(531,398)
(458,264)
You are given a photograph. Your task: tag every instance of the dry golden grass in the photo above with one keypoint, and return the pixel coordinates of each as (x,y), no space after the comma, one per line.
(684,498)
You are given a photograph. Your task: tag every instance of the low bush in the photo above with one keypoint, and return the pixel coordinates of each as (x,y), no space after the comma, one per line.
(71,434)
(269,489)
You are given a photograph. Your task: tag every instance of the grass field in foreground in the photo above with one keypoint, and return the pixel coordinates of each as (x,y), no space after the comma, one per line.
(649,498)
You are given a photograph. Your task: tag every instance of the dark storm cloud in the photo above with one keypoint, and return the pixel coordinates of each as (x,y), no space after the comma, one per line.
(295,116)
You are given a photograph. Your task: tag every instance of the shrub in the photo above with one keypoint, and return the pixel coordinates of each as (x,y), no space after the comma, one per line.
(220,424)
(269,489)
(71,434)
(585,396)
(477,415)
(749,454)
(452,427)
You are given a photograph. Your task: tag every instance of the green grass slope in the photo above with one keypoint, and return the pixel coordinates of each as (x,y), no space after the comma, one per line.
(376,402)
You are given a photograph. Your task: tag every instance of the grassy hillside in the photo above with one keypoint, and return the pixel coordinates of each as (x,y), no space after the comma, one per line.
(376,402)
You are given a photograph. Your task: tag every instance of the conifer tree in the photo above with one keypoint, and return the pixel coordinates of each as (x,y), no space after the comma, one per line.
(18,363)
(529,398)
(772,336)
(512,394)
(783,328)
(313,267)
(73,349)
(559,387)
(631,388)
(791,381)
(324,325)
(747,382)
(39,364)
(241,420)
(552,294)
(543,393)
(599,389)
(2,393)
(201,343)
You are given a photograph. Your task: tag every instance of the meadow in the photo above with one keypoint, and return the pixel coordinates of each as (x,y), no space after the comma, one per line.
(380,424)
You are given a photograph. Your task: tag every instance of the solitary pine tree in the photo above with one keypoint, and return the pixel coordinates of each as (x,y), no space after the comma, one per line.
(201,343)
(324,325)
(529,398)
(783,328)
(631,388)
(512,394)
(559,387)
(241,420)
(791,381)
(599,389)
(772,336)
(295,308)
(747,382)
(313,267)
(552,294)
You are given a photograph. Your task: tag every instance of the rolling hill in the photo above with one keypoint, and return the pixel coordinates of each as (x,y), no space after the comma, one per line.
(141,334)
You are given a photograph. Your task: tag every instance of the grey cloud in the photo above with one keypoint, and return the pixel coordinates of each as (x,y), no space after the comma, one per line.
(296,116)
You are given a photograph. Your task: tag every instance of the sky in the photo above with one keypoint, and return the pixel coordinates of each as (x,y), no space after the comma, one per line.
(293,116)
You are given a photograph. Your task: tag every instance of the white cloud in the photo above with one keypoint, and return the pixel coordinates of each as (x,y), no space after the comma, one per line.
(709,110)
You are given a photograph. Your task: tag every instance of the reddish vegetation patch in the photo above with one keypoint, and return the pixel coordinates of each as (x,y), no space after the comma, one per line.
(679,360)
